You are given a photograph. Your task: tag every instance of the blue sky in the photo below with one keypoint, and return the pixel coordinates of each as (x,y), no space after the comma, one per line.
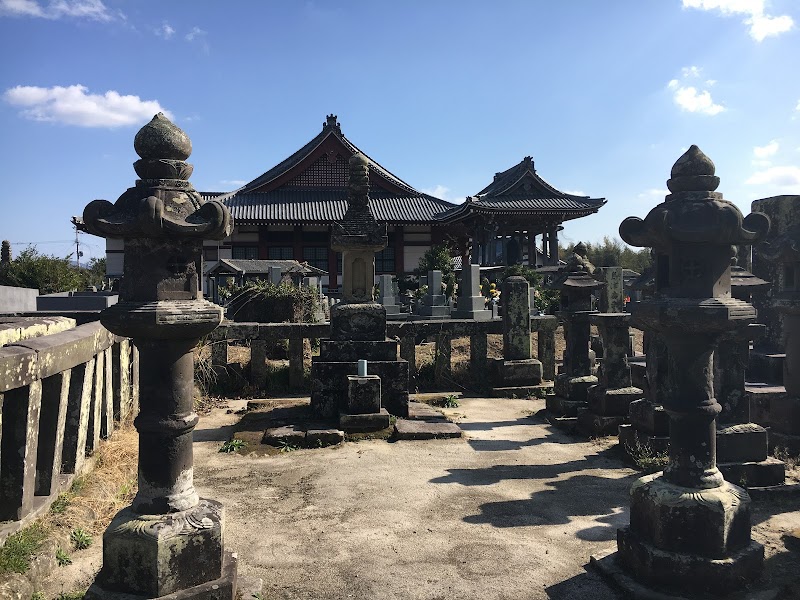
(604,95)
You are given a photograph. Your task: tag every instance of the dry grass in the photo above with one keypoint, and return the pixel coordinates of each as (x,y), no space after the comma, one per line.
(97,496)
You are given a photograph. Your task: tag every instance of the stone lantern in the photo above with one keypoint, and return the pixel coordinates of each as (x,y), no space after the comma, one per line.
(577,287)
(169,542)
(690,529)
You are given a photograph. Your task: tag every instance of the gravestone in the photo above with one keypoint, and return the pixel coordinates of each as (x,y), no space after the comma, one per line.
(358,324)
(169,542)
(387,297)
(275,275)
(517,369)
(433,305)
(471,304)
(689,528)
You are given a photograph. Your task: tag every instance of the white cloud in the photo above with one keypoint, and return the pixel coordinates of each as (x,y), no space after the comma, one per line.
(233,183)
(690,99)
(93,10)
(652,195)
(575,192)
(761,24)
(194,34)
(165,31)
(691,71)
(73,105)
(438,191)
(786,177)
(764,152)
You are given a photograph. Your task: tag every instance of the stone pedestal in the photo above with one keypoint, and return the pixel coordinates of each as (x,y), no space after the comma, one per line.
(169,542)
(363,411)
(517,369)
(608,401)
(471,304)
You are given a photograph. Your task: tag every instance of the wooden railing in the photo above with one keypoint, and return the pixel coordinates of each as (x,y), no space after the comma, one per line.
(61,394)
(263,335)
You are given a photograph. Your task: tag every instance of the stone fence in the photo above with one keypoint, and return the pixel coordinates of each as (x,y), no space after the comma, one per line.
(61,393)
(442,331)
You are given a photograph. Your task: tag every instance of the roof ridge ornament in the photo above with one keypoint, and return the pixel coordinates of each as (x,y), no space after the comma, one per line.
(332,123)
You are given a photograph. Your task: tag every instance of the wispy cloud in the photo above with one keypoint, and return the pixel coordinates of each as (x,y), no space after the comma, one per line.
(165,31)
(766,151)
(761,25)
(198,36)
(233,183)
(652,195)
(74,105)
(93,10)
(784,178)
(575,192)
(689,94)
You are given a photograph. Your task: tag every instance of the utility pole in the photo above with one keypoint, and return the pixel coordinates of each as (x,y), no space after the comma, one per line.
(78,223)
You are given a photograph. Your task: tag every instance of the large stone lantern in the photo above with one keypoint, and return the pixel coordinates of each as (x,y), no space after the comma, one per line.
(169,542)
(689,528)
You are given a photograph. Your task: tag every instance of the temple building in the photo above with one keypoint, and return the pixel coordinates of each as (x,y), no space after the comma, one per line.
(287,213)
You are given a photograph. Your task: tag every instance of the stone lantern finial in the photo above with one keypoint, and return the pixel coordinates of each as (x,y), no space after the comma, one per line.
(693,172)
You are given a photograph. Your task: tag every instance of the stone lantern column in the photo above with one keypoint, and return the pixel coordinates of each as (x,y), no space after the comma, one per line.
(169,542)
(690,529)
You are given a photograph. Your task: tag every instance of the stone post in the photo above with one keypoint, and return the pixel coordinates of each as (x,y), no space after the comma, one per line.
(434,304)
(275,275)
(169,541)
(612,295)
(517,369)
(689,528)
(387,297)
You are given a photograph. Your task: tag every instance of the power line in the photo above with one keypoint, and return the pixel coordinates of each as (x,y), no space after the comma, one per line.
(44,242)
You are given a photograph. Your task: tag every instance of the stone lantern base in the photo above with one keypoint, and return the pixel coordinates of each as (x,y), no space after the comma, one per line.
(174,556)
(571,394)
(688,538)
(607,410)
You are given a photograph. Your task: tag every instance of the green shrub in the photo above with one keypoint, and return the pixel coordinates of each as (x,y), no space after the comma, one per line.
(265,302)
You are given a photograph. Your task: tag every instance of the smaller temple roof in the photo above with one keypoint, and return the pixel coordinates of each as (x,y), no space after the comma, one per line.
(234,266)
(521,190)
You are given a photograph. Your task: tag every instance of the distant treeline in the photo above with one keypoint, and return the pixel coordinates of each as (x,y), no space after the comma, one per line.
(48,274)
(612,252)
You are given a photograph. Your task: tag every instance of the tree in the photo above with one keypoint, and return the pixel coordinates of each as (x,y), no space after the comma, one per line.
(613,253)
(48,274)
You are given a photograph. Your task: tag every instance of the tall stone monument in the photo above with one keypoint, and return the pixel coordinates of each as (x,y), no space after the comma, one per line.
(689,528)
(471,304)
(169,542)
(358,324)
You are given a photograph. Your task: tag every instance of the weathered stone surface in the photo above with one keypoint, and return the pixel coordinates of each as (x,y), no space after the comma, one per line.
(574,389)
(611,296)
(745,442)
(593,425)
(14,586)
(471,304)
(633,440)
(364,422)
(329,386)
(15,329)
(614,402)
(648,417)
(18,450)
(354,350)
(425,430)
(161,554)
(763,473)
(516,319)
(363,394)
(421,411)
(321,437)
(506,373)
(358,322)
(288,435)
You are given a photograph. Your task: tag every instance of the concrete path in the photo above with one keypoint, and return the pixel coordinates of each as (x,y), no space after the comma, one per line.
(511,511)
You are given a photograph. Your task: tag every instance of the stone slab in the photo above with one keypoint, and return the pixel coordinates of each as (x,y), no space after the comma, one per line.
(521,391)
(364,422)
(354,350)
(764,473)
(649,418)
(613,402)
(574,388)
(766,367)
(591,424)
(746,442)
(425,430)
(525,372)
(319,438)
(363,394)
(288,435)
(560,406)
(421,411)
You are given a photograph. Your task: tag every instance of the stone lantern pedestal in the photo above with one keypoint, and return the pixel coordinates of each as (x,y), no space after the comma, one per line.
(169,543)
(689,529)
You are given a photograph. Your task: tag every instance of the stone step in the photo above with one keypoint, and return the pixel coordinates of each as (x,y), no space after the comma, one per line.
(405,429)
(298,436)
(419,411)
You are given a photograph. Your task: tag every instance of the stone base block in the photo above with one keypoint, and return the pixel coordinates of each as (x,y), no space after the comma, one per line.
(222,588)
(712,523)
(474,315)
(515,372)
(772,407)
(329,386)
(575,389)
(425,430)
(155,556)
(766,367)
(562,407)
(649,418)
(633,440)
(322,437)
(521,391)
(613,402)
(363,394)
(433,312)
(288,435)
(364,423)
(354,350)
(638,371)
(358,322)
(765,473)
(591,424)
(686,572)
(744,442)
(392,309)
